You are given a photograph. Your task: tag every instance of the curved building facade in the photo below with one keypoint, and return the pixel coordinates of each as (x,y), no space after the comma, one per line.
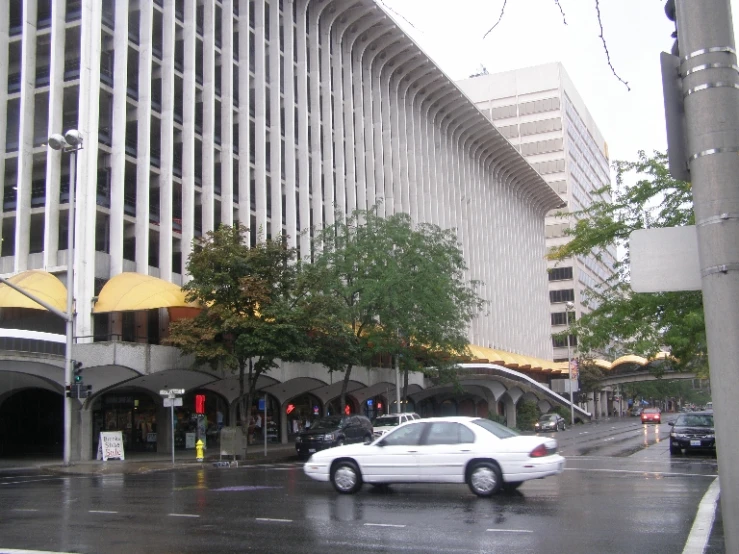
(280,115)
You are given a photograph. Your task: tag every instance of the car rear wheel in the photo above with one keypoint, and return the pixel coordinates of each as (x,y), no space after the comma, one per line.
(340,442)
(346,477)
(485,479)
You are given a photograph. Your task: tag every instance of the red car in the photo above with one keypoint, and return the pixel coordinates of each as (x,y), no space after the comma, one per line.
(651,415)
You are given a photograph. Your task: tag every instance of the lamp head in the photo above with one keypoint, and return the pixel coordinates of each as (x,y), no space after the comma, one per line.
(73,138)
(57,142)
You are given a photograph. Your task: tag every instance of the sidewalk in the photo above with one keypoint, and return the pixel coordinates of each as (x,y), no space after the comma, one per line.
(142,462)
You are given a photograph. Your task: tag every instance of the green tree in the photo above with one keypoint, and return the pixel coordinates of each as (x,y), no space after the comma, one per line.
(386,287)
(249,317)
(621,321)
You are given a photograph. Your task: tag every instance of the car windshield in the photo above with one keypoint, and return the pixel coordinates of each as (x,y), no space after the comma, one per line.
(386,421)
(328,423)
(694,420)
(500,431)
(548,417)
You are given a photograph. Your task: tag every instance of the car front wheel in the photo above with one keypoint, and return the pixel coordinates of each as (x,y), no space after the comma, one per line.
(345,477)
(675,449)
(485,479)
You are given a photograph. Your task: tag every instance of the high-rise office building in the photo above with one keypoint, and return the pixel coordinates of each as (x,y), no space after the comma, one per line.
(275,114)
(541,113)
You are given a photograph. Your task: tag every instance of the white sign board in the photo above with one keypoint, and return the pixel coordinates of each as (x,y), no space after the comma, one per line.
(169,402)
(110,445)
(665,259)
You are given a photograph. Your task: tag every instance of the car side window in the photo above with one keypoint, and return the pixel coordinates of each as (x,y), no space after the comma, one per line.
(449,433)
(404,436)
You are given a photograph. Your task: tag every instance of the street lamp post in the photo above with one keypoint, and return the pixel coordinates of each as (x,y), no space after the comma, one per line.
(71,142)
(569,307)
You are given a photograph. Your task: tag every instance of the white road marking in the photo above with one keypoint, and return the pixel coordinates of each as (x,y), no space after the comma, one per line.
(509,530)
(24,510)
(14,551)
(701,530)
(637,472)
(102,512)
(274,519)
(383,525)
(29,481)
(183,515)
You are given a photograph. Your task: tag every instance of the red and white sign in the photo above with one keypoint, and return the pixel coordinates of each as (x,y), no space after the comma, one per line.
(110,445)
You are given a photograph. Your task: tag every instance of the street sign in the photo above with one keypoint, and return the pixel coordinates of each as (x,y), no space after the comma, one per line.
(164,392)
(177,391)
(170,402)
(665,259)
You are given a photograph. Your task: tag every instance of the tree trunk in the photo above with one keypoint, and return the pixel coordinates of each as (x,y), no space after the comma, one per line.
(344,386)
(405,390)
(242,404)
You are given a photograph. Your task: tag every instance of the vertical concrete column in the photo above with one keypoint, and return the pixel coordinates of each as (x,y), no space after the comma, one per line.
(143,146)
(283,424)
(77,436)
(51,161)
(260,119)
(118,137)
(166,146)
(189,96)
(227,113)
(85,438)
(304,153)
(510,411)
(56,123)
(244,164)
(87,167)
(25,142)
(274,191)
(316,187)
(164,429)
(207,195)
(591,405)
(291,184)
(327,156)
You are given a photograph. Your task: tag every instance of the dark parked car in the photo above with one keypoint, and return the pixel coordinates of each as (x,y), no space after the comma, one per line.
(693,431)
(333,431)
(550,422)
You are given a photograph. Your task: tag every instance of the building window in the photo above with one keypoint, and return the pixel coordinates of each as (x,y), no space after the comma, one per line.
(558,296)
(561,342)
(560,318)
(560,273)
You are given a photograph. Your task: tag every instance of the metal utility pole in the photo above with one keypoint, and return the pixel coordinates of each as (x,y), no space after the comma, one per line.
(710,90)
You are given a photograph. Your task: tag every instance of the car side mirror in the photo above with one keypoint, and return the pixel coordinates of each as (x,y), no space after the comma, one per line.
(671,423)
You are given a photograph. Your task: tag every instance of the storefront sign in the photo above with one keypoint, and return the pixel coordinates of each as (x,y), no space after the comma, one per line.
(110,445)
(190,440)
(151,437)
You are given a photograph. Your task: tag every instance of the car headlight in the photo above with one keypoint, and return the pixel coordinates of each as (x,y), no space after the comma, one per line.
(709,437)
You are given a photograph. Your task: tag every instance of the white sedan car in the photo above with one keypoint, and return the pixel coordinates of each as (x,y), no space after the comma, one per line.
(484,454)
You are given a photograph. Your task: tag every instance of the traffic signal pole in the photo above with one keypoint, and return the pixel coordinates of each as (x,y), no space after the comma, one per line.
(710,88)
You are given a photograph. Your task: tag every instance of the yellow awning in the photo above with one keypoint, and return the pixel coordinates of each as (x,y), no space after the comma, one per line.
(41,284)
(128,292)
(629,359)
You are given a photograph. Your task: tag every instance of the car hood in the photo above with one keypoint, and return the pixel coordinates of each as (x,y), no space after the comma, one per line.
(694,430)
(314,432)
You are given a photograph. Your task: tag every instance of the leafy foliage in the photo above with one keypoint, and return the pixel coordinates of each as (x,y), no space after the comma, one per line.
(249,317)
(382,286)
(527,413)
(621,321)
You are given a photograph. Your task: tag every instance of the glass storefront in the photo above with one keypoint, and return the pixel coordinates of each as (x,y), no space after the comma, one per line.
(191,426)
(301,412)
(133,414)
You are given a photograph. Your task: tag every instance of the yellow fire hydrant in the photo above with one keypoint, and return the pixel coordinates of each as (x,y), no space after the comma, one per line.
(199,450)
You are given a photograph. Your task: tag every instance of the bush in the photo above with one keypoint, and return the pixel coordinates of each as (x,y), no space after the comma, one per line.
(527,414)
(563,411)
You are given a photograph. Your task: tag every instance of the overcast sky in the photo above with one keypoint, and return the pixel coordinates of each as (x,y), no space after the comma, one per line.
(532,32)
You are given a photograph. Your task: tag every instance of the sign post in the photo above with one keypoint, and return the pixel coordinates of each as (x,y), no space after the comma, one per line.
(172,399)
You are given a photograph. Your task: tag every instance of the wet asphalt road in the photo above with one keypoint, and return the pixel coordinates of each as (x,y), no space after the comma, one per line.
(621,492)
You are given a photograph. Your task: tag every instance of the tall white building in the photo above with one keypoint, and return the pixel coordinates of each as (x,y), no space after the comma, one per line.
(274,114)
(541,113)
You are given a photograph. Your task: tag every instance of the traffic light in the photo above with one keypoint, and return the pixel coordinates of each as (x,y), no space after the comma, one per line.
(199,403)
(674,101)
(69,391)
(77,368)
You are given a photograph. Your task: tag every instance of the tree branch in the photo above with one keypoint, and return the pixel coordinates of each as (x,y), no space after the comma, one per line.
(605,46)
(502,9)
(564,20)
